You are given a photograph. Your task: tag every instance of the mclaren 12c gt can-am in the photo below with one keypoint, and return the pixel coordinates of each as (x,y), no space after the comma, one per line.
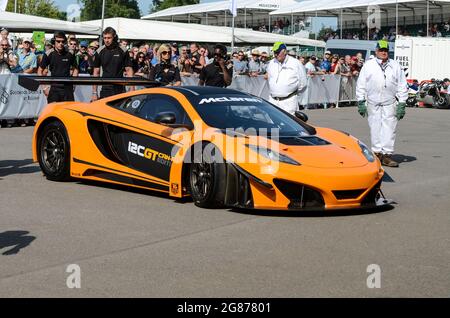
(222,147)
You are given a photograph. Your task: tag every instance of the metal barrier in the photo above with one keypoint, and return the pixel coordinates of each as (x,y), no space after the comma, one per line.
(17,102)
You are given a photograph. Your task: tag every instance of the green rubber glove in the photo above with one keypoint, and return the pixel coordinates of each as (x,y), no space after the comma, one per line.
(401,111)
(362,108)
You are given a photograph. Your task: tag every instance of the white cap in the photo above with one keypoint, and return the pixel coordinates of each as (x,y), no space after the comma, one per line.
(26,39)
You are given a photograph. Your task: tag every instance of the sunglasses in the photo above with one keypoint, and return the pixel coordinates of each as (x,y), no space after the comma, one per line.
(165,52)
(57,41)
(140,57)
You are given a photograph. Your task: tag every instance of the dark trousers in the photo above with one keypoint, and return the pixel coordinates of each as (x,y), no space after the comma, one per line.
(60,94)
(108,91)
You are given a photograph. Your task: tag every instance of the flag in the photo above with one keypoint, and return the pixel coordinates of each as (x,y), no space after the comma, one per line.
(3,4)
(233,7)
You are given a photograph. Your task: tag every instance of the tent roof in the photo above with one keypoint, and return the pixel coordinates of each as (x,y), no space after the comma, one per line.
(135,29)
(325,7)
(221,6)
(23,22)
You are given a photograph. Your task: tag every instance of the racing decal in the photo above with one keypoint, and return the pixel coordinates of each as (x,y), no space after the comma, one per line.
(149,153)
(138,151)
(174,188)
(229,99)
(143,153)
(134,176)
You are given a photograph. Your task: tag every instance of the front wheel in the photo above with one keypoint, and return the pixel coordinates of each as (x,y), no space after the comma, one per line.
(54,152)
(207,174)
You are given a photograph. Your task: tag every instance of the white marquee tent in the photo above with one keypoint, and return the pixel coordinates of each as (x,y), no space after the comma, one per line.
(160,31)
(22,22)
(217,13)
(391,11)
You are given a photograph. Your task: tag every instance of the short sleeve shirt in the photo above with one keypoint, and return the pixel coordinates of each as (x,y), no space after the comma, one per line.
(59,64)
(212,75)
(113,60)
(27,61)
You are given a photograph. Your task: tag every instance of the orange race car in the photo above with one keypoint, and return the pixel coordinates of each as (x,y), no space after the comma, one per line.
(222,147)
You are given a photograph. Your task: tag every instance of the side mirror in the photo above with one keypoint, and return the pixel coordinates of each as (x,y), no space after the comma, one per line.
(302,116)
(165,118)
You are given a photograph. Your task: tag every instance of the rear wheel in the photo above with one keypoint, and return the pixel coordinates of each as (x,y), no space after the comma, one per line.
(442,102)
(54,152)
(207,174)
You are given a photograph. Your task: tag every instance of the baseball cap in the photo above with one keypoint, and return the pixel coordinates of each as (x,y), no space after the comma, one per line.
(328,52)
(27,39)
(313,57)
(383,44)
(84,44)
(446,79)
(278,47)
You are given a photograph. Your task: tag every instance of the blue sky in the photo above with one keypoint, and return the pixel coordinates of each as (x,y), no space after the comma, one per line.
(143,4)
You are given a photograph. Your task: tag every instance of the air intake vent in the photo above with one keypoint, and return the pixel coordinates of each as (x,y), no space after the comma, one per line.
(348,194)
(301,196)
(303,141)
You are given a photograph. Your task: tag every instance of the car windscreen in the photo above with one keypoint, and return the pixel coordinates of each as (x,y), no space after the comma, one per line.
(253,115)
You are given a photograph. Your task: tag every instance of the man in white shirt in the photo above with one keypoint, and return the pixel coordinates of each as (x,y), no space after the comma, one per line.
(382,92)
(287,78)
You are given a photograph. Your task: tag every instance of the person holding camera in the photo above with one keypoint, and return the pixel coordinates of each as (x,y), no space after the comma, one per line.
(7,58)
(183,62)
(220,72)
(113,60)
(165,72)
(61,63)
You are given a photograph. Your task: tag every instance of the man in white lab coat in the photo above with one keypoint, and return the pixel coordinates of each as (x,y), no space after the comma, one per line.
(382,92)
(287,79)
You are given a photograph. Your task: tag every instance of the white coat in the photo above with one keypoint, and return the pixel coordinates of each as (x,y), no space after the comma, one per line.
(382,89)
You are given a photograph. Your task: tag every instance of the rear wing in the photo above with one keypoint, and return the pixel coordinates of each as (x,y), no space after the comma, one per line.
(32,82)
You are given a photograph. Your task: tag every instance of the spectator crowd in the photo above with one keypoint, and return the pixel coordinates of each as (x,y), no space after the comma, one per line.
(166,63)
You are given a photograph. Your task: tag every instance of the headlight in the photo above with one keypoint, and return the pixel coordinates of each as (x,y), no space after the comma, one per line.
(273,155)
(366,151)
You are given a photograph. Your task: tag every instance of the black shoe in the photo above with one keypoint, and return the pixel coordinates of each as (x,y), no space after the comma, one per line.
(389,162)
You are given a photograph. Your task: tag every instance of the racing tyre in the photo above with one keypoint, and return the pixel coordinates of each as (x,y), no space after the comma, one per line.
(442,103)
(207,175)
(411,102)
(54,152)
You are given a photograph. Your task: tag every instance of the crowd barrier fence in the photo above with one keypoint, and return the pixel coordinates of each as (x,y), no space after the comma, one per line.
(17,102)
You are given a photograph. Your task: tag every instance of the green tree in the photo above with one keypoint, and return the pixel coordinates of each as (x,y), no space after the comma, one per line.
(92,10)
(164,4)
(42,8)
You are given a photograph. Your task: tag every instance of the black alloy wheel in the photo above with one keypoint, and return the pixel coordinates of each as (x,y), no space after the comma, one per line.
(207,178)
(54,152)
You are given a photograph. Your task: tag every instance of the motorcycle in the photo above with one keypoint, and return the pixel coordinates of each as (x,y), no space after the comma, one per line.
(412,98)
(431,94)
